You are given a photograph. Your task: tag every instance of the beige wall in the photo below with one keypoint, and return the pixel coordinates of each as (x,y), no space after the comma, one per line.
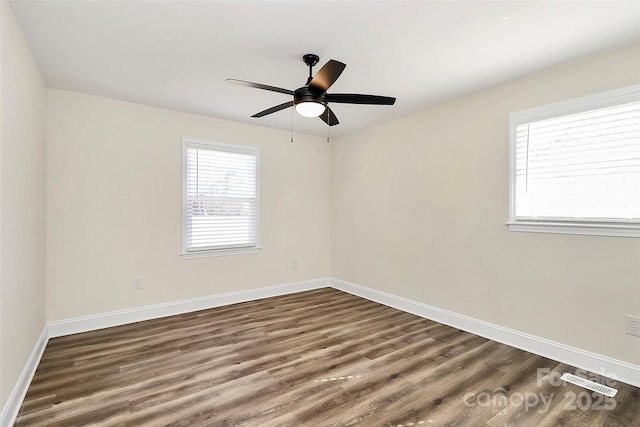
(22,203)
(419,208)
(114,196)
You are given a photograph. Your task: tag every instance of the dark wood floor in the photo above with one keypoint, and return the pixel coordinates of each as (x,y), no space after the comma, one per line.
(317,358)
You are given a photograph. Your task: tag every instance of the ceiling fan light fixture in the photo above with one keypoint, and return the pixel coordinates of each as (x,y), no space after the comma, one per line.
(310,108)
(312,99)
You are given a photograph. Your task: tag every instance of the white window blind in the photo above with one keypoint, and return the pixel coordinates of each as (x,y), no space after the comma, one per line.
(578,163)
(221,197)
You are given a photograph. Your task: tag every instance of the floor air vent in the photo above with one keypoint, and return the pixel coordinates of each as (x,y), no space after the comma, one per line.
(590,385)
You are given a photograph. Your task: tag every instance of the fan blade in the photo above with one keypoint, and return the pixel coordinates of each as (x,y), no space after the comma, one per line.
(329,117)
(259,86)
(355,98)
(274,109)
(327,75)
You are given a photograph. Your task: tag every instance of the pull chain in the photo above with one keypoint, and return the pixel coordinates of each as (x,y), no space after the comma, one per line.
(292,108)
(328,125)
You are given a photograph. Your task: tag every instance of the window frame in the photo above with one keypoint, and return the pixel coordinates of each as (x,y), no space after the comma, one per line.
(561,225)
(185,253)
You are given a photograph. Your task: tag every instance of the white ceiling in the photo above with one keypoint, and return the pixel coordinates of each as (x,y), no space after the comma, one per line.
(177,54)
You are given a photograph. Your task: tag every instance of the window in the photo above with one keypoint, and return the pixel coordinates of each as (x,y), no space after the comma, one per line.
(220,199)
(575,166)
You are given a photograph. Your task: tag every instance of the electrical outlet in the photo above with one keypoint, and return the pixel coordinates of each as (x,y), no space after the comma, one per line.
(632,325)
(136,283)
(294,264)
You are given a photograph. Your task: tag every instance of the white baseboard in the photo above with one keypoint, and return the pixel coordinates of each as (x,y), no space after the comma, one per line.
(12,406)
(601,365)
(122,317)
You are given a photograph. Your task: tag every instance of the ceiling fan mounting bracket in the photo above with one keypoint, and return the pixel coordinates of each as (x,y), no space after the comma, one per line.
(310,59)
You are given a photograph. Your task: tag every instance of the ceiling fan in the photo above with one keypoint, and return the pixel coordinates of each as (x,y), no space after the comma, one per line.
(312,99)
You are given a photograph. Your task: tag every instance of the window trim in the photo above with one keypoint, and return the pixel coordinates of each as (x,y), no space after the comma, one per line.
(561,225)
(227,251)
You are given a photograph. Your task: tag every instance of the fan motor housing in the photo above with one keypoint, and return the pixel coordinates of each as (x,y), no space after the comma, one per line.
(305,94)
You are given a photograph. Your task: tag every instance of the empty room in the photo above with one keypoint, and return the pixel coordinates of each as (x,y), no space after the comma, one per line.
(319,213)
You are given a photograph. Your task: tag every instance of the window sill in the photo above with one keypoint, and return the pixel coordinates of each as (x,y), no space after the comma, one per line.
(590,229)
(219,252)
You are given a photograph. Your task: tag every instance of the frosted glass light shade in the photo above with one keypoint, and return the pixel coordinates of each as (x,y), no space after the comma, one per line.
(310,109)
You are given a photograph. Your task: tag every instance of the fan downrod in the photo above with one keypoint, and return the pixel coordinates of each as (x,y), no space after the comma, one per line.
(310,59)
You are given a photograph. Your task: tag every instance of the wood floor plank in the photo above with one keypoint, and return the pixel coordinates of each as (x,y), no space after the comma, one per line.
(315,358)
